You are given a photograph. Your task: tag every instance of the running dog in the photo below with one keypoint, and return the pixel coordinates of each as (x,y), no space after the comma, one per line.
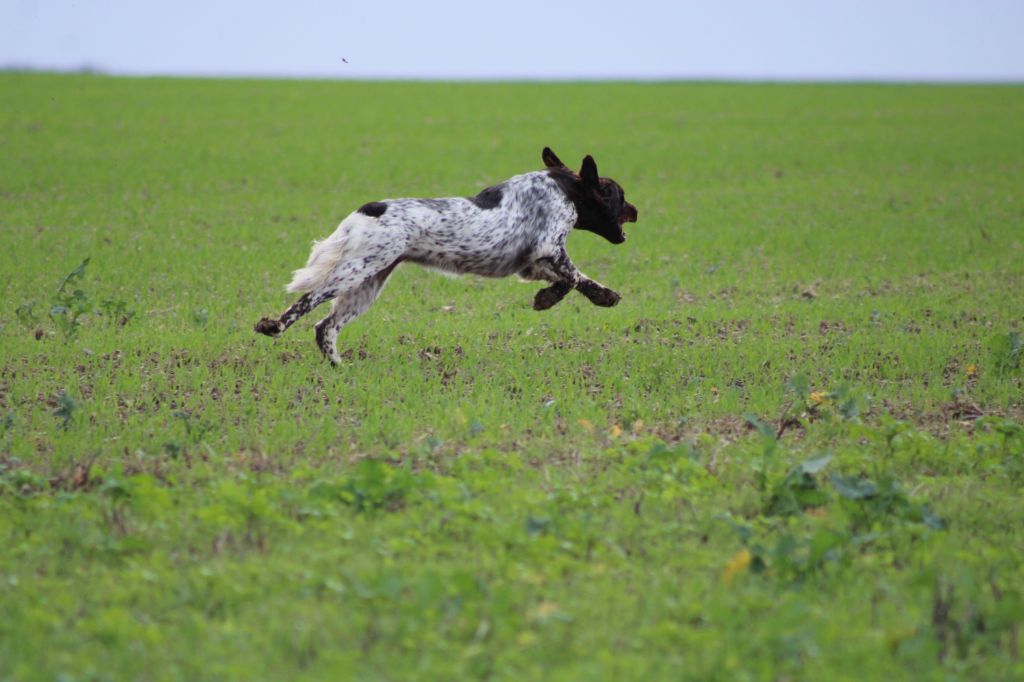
(517,227)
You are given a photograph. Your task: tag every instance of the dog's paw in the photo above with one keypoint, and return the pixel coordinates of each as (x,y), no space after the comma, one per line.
(545,299)
(269,327)
(549,296)
(606,298)
(599,295)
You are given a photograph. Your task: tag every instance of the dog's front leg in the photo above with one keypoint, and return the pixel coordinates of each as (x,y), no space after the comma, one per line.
(549,296)
(560,270)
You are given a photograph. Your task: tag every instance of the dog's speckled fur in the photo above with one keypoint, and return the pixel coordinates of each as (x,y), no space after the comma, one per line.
(517,227)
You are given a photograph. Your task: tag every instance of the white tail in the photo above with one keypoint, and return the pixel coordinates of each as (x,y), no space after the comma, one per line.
(325,256)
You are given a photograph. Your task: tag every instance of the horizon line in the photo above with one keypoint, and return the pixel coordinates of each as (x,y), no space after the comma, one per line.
(93,70)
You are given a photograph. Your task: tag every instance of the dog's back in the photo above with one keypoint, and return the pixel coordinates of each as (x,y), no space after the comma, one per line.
(492,234)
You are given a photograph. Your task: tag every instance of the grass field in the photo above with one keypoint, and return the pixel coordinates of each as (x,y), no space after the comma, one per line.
(794,451)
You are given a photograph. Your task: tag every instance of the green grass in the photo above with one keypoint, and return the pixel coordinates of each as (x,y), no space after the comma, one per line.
(793,451)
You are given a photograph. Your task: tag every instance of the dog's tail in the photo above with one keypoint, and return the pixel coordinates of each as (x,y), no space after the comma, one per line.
(325,256)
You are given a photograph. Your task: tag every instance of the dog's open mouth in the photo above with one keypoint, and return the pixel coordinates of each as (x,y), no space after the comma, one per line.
(629,214)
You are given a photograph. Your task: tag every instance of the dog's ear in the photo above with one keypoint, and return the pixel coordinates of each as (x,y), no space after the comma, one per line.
(551,160)
(588,171)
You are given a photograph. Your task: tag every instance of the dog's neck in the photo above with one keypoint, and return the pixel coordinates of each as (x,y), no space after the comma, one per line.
(572,186)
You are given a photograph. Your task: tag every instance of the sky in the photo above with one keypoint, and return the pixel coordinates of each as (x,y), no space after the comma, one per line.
(937,40)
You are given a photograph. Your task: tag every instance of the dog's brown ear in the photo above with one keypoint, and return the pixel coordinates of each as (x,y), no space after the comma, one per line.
(551,160)
(588,171)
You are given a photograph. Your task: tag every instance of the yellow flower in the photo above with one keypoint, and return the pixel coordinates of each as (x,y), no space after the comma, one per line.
(971,370)
(737,564)
(818,397)
(615,431)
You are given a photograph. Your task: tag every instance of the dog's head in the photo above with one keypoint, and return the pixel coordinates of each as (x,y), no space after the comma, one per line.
(601,205)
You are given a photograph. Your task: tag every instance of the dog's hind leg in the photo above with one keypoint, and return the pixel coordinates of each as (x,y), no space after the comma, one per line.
(272,327)
(306,302)
(346,276)
(347,307)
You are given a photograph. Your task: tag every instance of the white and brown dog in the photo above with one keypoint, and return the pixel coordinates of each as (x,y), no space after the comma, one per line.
(517,227)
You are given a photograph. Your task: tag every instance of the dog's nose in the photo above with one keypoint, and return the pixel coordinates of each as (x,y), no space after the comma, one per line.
(631,213)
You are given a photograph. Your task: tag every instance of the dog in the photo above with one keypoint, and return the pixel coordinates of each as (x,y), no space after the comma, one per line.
(516,227)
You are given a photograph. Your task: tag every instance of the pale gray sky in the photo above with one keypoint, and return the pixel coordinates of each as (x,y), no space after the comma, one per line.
(746,39)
